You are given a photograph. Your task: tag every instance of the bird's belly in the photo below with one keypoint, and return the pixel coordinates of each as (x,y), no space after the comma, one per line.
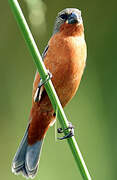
(67,91)
(66,81)
(67,68)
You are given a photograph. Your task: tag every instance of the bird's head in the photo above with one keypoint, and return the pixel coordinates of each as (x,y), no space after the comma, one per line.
(69,21)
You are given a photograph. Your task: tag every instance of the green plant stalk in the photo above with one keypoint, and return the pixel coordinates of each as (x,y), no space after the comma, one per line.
(48,86)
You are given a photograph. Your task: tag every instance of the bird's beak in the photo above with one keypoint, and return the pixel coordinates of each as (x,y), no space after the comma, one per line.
(73,18)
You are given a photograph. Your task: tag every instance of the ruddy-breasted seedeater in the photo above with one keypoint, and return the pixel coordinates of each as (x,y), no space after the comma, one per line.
(65,57)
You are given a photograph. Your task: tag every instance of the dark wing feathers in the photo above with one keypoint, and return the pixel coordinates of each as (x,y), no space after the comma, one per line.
(45,52)
(39,91)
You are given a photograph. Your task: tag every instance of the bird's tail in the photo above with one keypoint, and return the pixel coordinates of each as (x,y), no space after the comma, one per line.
(27,157)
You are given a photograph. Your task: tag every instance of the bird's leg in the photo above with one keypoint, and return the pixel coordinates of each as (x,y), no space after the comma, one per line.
(37,95)
(70,133)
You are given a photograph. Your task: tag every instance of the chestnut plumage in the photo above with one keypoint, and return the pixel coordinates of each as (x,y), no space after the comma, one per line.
(65,58)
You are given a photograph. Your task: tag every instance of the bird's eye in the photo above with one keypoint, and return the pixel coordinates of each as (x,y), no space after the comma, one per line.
(64,16)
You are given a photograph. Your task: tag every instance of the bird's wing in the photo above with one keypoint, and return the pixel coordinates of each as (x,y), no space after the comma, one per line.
(45,52)
(40,88)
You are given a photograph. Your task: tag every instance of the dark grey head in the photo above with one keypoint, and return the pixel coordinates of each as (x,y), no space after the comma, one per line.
(68,15)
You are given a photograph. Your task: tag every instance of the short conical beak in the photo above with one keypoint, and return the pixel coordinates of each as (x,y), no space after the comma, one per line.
(73,18)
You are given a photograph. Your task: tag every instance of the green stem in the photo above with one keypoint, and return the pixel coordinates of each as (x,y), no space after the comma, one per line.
(48,86)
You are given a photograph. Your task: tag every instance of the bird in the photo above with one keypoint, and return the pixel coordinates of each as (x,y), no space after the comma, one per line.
(65,58)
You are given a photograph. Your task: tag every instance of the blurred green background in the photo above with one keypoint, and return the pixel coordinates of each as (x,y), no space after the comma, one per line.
(92,111)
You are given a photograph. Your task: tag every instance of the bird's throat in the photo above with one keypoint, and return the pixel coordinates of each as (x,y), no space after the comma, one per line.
(72,29)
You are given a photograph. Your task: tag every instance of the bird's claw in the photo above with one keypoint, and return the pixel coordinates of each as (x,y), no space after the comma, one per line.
(70,133)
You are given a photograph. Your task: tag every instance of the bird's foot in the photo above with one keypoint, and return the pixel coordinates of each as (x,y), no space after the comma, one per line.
(41,83)
(69,134)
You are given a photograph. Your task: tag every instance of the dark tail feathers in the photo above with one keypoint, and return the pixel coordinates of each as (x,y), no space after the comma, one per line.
(27,157)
